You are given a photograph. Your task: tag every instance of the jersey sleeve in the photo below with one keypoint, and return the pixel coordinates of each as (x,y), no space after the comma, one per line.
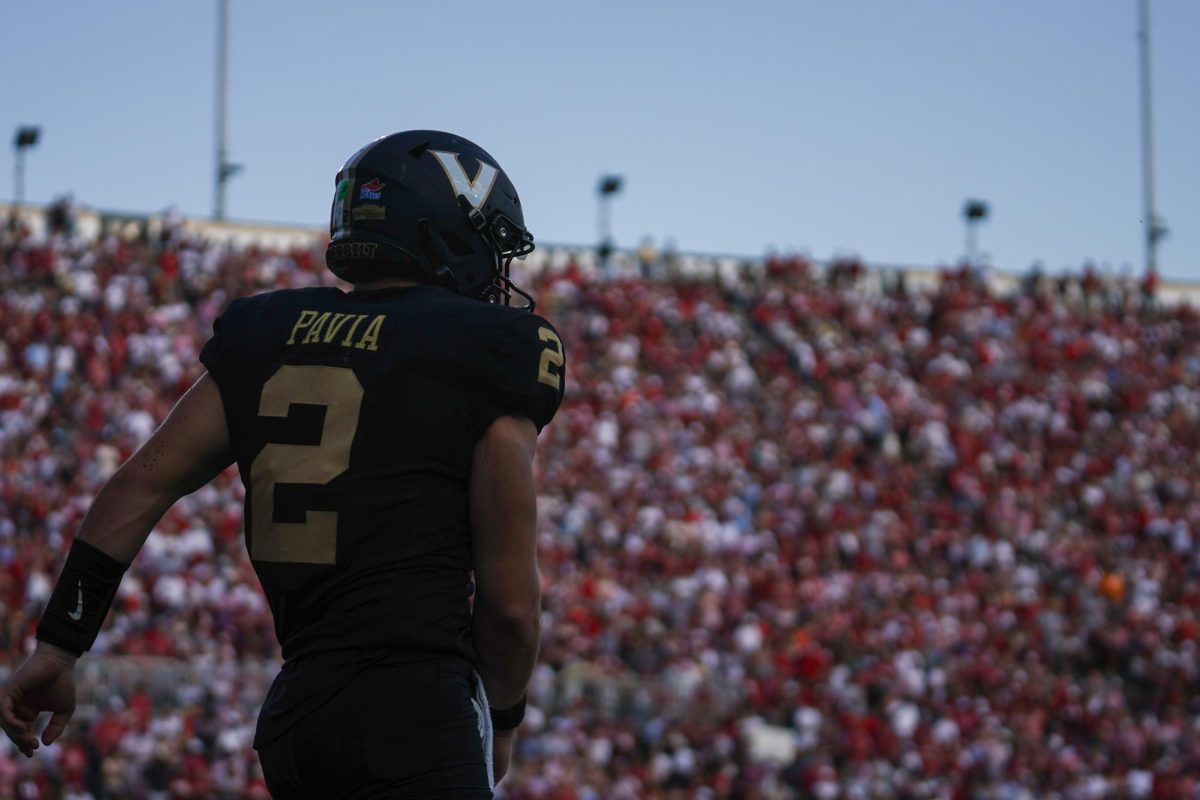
(526,369)
(233,346)
(218,356)
(213,355)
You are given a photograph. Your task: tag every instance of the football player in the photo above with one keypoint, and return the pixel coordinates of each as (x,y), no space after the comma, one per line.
(385,437)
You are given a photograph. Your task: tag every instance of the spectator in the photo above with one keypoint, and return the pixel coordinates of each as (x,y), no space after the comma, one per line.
(800,538)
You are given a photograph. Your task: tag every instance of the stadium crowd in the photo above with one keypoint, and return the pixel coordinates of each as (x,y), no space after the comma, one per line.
(803,532)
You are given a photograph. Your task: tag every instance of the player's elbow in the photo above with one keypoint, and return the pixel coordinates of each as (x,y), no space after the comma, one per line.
(518,628)
(514,616)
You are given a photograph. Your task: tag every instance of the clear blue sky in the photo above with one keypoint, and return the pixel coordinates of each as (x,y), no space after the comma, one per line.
(850,126)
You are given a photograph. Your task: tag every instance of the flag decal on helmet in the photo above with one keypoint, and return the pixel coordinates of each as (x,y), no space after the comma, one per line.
(371,190)
(476,191)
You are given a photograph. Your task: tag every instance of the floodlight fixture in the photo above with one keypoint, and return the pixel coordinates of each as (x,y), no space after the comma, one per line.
(27,136)
(975,210)
(609,184)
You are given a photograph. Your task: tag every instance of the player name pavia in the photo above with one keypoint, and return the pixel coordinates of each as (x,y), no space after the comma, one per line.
(329,327)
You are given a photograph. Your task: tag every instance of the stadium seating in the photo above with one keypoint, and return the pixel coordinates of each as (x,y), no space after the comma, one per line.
(804,531)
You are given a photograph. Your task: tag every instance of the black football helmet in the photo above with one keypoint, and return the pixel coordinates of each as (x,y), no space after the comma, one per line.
(431,205)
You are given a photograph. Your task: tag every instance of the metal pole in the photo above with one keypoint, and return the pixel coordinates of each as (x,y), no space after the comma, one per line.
(19,177)
(222,102)
(971,244)
(1150,217)
(604,199)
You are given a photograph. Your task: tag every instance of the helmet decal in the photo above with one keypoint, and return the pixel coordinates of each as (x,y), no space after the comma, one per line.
(338,217)
(476,191)
(372,190)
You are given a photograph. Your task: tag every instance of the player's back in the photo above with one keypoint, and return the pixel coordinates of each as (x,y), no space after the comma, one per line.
(353,417)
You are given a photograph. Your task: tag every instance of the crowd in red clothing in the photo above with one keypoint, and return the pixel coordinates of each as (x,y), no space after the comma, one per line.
(803,532)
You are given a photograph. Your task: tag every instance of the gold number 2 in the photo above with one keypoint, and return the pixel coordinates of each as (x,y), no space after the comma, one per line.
(313,541)
(552,356)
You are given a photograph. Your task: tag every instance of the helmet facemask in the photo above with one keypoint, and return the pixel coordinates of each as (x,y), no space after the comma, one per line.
(506,240)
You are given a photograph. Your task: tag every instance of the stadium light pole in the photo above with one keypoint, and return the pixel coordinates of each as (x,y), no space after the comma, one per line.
(609,186)
(974,212)
(1154,227)
(25,138)
(224,170)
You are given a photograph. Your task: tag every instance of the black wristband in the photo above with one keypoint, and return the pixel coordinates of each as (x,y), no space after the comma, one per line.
(81,598)
(506,719)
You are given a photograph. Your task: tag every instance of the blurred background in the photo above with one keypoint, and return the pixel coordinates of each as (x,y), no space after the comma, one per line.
(876,472)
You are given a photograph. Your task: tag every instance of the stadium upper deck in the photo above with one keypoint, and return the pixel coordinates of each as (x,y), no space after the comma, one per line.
(91,223)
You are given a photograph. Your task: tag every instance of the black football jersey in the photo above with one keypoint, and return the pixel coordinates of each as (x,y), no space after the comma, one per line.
(353,417)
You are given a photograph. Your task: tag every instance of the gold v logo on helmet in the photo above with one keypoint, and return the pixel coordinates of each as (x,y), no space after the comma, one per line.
(477,190)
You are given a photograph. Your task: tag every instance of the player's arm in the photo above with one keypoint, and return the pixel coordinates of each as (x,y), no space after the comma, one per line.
(503,508)
(186,451)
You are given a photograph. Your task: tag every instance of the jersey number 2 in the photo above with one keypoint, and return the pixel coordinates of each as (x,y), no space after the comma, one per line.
(552,358)
(313,541)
